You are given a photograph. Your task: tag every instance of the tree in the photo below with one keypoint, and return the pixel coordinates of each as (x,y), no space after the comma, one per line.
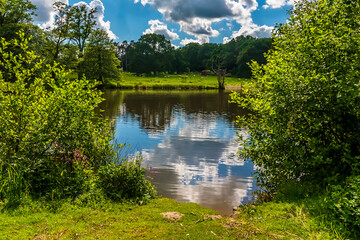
(218,66)
(16,11)
(61,29)
(254,50)
(152,53)
(305,101)
(191,55)
(122,52)
(100,61)
(82,22)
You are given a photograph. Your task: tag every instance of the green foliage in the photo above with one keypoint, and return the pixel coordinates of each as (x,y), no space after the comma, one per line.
(42,122)
(305,104)
(60,31)
(82,22)
(100,61)
(345,204)
(218,65)
(16,11)
(251,50)
(306,100)
(53,145)
(152,53)
(125,181)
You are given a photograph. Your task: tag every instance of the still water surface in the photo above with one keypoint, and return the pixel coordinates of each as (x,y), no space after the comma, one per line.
(187,140)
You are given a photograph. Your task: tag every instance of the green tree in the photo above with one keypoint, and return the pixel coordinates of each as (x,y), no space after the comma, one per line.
(152,53)
(191,56)
(37,44)
(254,50)
(82,22)
(69,56)
(305,101)
(60,32)
(16,11)
(100,61)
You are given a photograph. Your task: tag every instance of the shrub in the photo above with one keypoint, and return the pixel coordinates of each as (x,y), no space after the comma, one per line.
(345,203)
(125,181)
(43,120)
(305,101)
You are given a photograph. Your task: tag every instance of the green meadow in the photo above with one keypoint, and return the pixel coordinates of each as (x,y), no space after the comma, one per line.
(173,81)
(132,221)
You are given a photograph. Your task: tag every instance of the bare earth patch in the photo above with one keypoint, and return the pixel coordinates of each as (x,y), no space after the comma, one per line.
(212,217)
(174,216)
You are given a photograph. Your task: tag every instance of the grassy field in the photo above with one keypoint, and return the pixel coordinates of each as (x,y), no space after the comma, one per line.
(127,221)
(169,81)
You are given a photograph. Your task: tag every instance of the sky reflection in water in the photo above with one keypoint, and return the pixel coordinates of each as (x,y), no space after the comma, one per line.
(187,137)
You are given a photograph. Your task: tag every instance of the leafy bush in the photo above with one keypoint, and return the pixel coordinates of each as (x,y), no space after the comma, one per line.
(305,109)
(345,203)
(43,120)
(52,144)
(125,181)
(305,101)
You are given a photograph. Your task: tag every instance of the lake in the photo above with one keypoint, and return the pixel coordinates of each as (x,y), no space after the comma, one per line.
(187,141)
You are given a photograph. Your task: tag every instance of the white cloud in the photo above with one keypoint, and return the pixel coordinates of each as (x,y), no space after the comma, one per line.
(254,31)
(278,3)
(196,17)
(161,28)
(45,14)
(199,40)
(100,15)
(199,27)
(226,40)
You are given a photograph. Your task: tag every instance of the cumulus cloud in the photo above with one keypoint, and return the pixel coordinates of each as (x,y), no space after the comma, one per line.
(253,30)
(277,3)
(45,14)
(161,28)
(226,40)
(196,17)
(186,41)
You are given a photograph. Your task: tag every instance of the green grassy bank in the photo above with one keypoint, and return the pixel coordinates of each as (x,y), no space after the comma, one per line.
(127,221)
(171,81)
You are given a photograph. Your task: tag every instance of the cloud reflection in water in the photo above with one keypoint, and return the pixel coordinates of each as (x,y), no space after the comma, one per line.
(190,147)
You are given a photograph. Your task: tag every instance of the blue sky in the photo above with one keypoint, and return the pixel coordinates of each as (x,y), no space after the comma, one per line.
(181,21)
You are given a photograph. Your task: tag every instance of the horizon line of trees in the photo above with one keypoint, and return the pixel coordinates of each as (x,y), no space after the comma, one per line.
(152,53)
(75,42)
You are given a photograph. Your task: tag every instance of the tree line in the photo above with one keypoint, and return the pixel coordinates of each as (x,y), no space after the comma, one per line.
(75,42)
(152,53)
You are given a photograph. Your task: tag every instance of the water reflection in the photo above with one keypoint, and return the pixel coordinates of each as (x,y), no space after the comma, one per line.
(188,139)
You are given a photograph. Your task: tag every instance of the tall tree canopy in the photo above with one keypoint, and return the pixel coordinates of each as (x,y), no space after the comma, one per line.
(60,32)
(100,61)
(152,53)
(82,22)
(16,11)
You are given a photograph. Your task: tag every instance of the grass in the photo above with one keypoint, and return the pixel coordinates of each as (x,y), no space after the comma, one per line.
(128,221)
(171,81)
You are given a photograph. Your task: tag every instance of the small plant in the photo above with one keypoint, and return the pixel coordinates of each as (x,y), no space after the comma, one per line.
(345,203)
(125,181)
